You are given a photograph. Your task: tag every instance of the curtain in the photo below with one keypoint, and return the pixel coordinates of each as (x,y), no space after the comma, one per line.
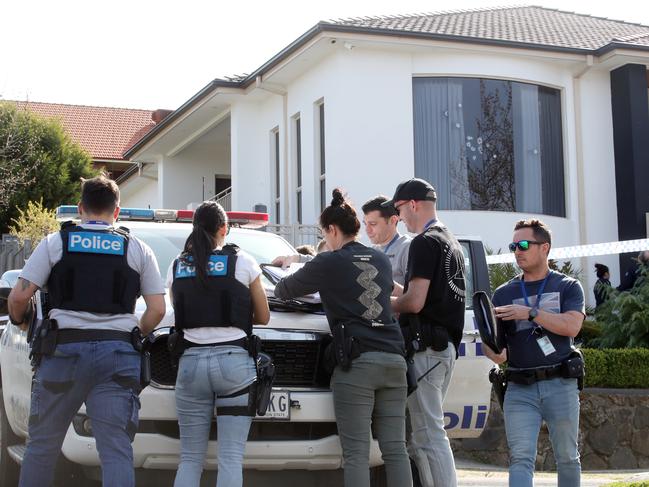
(527,149)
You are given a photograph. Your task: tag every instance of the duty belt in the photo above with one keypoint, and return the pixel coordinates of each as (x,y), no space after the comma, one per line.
(75,336)
(530,376)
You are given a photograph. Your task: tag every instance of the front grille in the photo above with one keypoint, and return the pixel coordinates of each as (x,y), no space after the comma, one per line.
(297,363)
(162,370)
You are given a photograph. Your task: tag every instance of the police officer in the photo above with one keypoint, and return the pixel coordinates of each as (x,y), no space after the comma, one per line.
(542,311)
(94,273)
(381,228)
(369,379)
(432,308)
(217,295)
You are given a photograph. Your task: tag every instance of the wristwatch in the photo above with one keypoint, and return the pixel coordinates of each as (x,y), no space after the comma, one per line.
(534,312)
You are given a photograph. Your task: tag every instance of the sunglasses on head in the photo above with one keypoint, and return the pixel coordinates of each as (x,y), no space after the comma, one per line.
(523,245)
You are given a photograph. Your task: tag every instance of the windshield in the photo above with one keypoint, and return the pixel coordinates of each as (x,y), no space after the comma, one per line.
(168,242)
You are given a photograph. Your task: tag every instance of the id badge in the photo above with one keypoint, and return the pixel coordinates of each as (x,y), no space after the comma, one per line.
(546,345)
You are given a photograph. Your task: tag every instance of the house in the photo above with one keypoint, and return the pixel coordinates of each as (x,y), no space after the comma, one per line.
(105,133)
(509,112)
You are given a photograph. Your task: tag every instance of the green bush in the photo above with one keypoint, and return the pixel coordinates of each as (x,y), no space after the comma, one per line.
(625,317)
(617,368)
(589,333)
(628,484)
(34,223)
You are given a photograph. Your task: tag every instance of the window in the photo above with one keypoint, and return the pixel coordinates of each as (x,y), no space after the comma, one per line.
(276,172)
(297,136)
(490,144)
(320,137)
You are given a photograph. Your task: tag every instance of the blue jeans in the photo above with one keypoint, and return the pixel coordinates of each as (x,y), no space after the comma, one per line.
(206,375)
(105,375)
(555,401)
(429,446)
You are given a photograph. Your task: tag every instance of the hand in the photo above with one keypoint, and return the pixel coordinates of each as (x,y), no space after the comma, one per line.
(497,358)
(513,312)
(284,261)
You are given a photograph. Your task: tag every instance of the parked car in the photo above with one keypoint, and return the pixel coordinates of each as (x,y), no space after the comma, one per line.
(299,430)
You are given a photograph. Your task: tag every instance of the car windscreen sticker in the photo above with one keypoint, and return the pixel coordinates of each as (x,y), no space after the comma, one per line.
(96,243)
(217,266)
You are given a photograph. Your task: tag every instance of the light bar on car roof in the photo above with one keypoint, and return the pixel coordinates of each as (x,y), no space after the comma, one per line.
(144,214)
(247,219)
(67,212)
(185,215)
(165,215)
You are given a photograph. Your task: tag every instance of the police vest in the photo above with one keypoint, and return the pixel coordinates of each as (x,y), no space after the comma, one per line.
(221,301)
(93,274)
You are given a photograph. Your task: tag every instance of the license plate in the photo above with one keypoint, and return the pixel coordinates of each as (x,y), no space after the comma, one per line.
(279,407)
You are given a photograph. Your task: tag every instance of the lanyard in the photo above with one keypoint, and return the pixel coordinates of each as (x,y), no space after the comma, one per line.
(394,239)
(539,294)
(430,224)
(96,222)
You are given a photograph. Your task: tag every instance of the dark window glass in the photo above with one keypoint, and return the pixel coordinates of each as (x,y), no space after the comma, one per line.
(298,151)
(490,144)
(299,206)
(323,195)
(322,139)
(277,164)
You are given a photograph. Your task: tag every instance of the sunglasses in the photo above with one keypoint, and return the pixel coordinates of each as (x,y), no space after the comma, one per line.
(523,245)
(396,207)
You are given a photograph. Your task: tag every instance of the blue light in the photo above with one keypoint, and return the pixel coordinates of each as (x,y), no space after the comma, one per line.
(136,213)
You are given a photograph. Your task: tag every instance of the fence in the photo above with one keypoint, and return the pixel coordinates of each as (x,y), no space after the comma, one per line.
(13,255)
(296,234)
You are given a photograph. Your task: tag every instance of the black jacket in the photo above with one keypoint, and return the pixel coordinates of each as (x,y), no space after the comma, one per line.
(355,283)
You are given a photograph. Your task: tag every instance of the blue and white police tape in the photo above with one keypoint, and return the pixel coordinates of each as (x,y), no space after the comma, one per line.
(592,250)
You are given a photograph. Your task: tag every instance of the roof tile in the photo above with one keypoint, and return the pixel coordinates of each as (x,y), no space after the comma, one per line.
(106,133)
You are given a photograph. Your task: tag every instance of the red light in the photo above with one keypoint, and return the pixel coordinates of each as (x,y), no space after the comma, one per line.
(185,215)
(248,219)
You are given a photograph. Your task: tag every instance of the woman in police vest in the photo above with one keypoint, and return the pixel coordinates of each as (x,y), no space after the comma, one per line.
(217,295)
(369,380)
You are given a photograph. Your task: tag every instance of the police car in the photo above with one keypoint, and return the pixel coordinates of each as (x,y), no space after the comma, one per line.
(299,429)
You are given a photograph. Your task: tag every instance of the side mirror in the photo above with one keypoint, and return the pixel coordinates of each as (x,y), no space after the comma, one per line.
(4,296)
(490,327)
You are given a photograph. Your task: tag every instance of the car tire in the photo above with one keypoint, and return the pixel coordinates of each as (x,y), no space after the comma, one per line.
(9,470)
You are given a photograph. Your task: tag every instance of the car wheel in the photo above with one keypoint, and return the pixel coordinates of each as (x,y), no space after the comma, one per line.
(9,470)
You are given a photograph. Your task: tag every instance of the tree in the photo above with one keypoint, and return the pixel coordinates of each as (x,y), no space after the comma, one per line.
(38,162)
(34,223)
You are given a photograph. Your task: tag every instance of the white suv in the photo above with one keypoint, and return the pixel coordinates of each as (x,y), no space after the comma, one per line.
(299,430)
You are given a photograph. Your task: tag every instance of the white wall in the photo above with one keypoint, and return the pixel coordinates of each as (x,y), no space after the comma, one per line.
(369,142)
(181,176)
(139,192)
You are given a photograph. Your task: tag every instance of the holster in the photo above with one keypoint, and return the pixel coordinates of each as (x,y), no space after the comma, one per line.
(345,348)
(574,368)
(44,341)
(175,345)
(418,337)
(264,384)
(499,381)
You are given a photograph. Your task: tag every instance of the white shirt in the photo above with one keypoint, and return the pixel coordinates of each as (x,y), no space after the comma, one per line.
(246,271)
(139,257)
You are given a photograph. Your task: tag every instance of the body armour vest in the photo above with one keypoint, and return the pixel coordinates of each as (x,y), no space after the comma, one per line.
(93,274)
(222,301)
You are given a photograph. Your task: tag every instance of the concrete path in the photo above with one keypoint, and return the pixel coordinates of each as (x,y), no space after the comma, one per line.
(478,475)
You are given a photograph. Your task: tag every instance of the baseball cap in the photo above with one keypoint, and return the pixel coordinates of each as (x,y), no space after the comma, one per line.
(413,189)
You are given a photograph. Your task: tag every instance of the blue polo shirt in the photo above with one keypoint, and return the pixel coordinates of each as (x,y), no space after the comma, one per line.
(561,294)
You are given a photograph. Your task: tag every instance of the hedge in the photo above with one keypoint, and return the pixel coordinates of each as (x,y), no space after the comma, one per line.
(624,368)
(628,484)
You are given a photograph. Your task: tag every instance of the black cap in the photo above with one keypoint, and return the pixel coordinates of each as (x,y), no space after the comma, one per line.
(413,189)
